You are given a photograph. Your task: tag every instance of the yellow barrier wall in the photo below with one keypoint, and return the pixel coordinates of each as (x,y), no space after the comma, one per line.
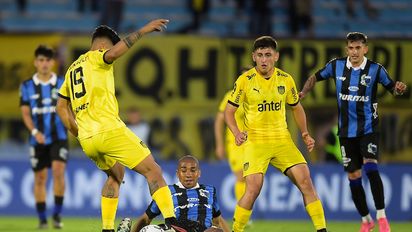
(185,76)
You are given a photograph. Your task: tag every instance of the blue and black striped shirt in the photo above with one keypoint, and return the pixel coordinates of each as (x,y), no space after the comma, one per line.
(197,204)
(42,100)
(356,90)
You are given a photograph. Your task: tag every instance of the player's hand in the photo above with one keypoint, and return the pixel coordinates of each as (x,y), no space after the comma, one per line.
(220,152)
(309,141)
(400,88)
(241,137)
(39,138)
(155,25)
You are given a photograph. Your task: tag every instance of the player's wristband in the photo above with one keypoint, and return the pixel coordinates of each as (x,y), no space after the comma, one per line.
(34,131)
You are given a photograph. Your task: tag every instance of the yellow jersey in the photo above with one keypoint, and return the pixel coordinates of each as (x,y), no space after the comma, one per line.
(89,86)
(264,103)
(239,116)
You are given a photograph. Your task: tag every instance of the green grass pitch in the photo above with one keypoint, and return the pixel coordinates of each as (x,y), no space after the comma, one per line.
(71,224)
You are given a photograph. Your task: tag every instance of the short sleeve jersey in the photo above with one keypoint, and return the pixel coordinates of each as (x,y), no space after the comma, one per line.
(89,86)
(264,103)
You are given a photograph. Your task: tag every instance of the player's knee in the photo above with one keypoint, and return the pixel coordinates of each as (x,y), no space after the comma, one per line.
(305,183)
(354,175)
(252,192)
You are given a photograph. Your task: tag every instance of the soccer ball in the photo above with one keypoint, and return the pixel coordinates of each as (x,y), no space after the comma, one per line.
(152,228)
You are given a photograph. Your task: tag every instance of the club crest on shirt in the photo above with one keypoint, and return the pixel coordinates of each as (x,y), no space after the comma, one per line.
(245,166)
(365,80)
(281,89)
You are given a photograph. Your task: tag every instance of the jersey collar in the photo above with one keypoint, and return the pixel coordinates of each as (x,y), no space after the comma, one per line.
(362,66)
(183,187)
(51,81)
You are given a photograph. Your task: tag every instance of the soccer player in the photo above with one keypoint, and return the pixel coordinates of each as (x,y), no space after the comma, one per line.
(356,79)
(264,92)
(234,153)
(48,140)
(89,109)
(192,201)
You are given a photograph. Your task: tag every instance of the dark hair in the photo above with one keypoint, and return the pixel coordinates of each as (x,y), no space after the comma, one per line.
(44,51)
(356,36)
(265,42)
(104,31)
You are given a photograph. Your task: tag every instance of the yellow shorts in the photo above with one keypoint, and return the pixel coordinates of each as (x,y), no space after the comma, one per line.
(282,155)
(235,157)
(119,144)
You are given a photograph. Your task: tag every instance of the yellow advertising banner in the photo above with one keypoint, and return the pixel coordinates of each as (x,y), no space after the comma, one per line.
(177,81)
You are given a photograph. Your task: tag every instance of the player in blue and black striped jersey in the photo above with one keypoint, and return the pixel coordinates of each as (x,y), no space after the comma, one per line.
(192,201)
(356,79)
(48,140)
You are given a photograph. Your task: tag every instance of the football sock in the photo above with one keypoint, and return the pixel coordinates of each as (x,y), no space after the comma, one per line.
(375,181)
(358,196)
(240,187)
(315,211)
(109,208)
(41,211)
(163,199)
(240,218)
(58,205)
(380,213)
(367,218)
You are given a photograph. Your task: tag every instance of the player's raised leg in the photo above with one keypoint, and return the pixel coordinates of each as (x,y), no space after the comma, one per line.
(158,189)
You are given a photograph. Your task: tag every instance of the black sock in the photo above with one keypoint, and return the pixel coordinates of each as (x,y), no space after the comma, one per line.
(322,230)
(377,189)
(111,230)
(41,211)
(358,196)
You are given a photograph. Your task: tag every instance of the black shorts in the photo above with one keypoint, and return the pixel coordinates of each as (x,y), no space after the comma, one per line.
(41,156)
(354,150)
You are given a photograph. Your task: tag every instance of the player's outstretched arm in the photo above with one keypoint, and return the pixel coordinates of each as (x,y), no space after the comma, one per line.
(300,118)
(121,47)
(309,84)
(65,113)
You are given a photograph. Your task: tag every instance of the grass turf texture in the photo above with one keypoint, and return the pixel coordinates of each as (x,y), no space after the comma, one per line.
(72,224)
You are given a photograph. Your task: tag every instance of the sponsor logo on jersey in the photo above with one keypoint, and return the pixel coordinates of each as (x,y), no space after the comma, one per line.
(46,101)
(43,110)
(355,98)
(256,90)
(281,89)
(269,106)
(341,78)
(353,88)
(35,96)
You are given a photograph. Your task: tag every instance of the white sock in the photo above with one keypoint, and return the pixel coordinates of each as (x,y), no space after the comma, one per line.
(380,213)
(367,218)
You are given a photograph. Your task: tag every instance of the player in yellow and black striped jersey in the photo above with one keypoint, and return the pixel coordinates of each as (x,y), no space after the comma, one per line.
(263,92)
(89,109)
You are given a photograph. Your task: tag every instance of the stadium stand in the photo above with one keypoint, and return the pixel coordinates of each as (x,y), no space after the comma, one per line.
(394,18)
